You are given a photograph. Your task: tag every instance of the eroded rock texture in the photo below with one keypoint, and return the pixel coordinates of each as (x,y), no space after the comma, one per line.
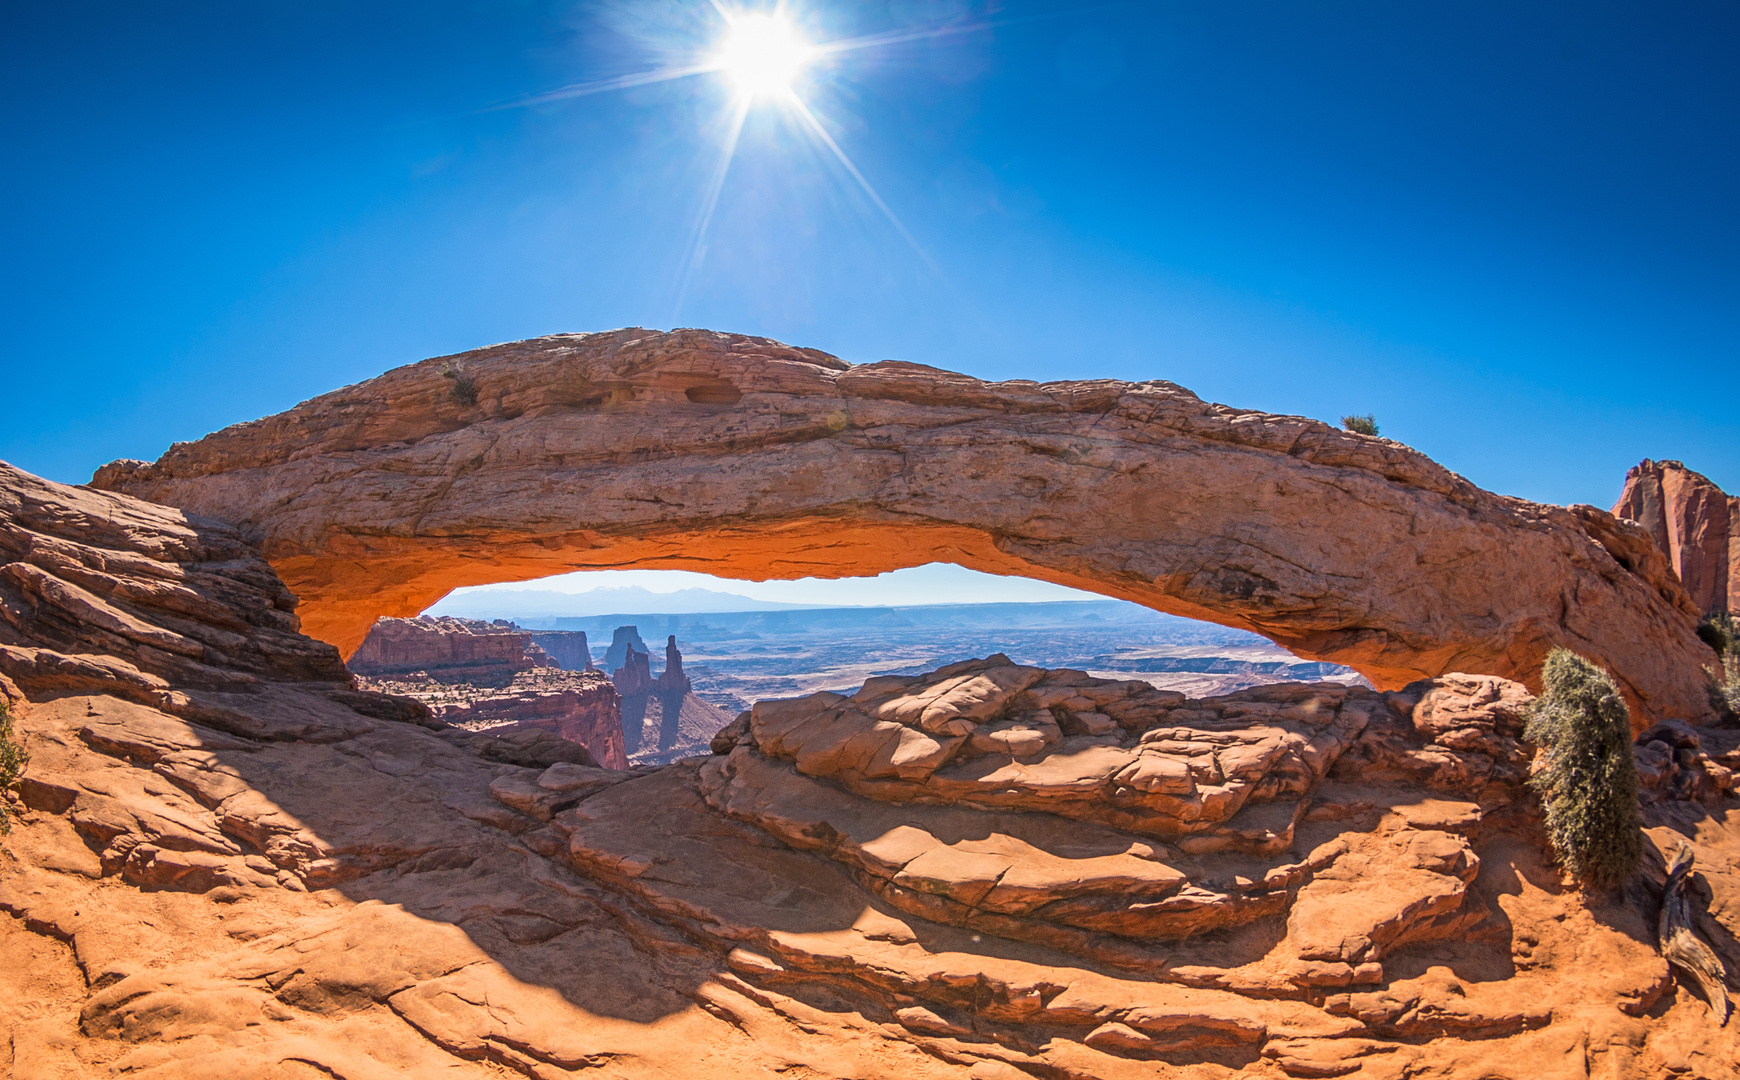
(452,650)
(493,676)
(228,864)
(1694,522)
(744,457)
(579,706)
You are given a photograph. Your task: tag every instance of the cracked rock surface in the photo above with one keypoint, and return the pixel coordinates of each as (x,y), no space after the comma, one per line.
(228,863)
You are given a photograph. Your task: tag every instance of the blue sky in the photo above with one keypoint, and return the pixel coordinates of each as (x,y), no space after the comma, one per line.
(1509,230)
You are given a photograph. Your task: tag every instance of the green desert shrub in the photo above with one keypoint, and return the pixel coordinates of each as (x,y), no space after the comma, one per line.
(1589,783)
(1717,630)
(12,762)
(1360,423)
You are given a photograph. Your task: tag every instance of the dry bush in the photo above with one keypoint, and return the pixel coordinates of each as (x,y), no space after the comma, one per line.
(12,761)
(1360,423)
(464,390)
(1717,631)
(1589,783)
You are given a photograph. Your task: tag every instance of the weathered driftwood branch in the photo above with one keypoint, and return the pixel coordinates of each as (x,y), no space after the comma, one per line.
(1681,944)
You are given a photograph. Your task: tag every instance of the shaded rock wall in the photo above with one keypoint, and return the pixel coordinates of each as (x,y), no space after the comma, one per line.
(742,456)
(567,648)
(1694,522)
(634,678)
(622,641)
(680,721)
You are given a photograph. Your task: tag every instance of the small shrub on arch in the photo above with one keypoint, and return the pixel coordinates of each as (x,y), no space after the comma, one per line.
(1360,423)
(464,390)
(1589,783)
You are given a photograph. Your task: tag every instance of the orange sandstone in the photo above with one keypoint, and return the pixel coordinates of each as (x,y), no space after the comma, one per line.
(747,458)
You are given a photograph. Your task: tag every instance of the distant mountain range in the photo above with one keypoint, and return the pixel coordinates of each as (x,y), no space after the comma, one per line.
(546,603)
(545,608)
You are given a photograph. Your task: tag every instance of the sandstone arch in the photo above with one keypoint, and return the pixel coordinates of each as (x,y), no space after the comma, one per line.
(745,457)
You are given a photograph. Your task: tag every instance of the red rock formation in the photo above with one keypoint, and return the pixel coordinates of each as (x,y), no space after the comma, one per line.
(672,680)
(682,722)
(582,707)
(1694,522)
(449,649)
(634,678)
(634,681)
(751,458)
(477,674)
(226,862)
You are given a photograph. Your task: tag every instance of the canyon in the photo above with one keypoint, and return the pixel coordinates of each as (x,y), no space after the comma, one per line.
(735,658)
(497,677)
(680,721)
(231,858)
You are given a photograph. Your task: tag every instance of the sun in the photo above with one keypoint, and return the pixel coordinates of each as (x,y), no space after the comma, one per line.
(763,54)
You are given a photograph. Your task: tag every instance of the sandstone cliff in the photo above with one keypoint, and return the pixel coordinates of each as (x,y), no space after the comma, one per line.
(229,864)
(1694,522)
(495,677)
(742,456)
(568,648)
(582,707)
(451,650)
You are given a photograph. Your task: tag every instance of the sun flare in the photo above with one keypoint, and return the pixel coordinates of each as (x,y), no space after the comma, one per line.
(763,54)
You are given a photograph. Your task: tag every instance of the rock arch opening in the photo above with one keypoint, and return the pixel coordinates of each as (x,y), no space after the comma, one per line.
(621,450)
(783,639)
(686,653)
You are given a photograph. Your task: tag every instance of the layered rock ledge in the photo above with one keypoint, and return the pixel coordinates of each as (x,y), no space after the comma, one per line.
(745,457)
(227,863)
